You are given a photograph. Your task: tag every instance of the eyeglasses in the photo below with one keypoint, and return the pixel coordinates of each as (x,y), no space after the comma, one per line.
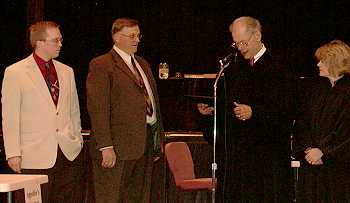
(243,43)
(132,36)
(56,40)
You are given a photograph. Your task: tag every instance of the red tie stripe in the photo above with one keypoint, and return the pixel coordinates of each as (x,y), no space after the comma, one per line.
(149,108)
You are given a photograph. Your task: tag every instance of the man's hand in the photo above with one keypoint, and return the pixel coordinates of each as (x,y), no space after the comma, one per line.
(204,109)
(15,163)
(313,156)
(242,111)
(109,158)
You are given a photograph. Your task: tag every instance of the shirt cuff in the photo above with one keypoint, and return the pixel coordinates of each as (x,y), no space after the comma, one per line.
(103,148)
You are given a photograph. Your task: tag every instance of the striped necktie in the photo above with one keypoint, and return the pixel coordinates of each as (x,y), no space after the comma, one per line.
(149,108)
(52,82)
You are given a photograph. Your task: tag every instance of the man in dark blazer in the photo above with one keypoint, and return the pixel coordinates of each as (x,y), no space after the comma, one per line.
(123,105)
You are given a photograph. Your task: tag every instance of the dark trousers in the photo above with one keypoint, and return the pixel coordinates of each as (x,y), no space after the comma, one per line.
(65,179)
(128,181)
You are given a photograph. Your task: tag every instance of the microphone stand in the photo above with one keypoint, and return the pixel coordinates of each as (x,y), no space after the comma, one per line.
(295,164)
(223,64)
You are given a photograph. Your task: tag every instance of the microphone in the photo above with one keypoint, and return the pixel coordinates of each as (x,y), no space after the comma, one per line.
(228,58)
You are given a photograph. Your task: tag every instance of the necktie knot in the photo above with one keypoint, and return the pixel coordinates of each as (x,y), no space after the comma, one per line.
(47,67)
(251,61)
(136,72)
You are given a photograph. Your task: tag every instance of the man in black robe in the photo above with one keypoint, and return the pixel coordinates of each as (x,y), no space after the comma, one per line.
(252,142)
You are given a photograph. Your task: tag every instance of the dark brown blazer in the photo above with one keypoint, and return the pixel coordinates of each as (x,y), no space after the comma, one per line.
(117,107)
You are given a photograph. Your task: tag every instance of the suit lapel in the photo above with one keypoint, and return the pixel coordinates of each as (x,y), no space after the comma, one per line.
(35,75)
(153,85)
(119,63)
(62,83)
(148,74)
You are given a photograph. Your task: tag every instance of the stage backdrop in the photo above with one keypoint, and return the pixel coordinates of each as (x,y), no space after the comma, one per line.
(190,35)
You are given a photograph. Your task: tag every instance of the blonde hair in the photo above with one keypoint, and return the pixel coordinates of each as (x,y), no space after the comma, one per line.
(37,31)
(336,55)
(120,23)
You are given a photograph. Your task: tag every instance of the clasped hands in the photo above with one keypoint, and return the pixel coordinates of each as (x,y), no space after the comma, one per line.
(313,156)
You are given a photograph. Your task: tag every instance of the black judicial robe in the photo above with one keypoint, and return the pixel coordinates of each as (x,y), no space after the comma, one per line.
(326,125)
(252,155)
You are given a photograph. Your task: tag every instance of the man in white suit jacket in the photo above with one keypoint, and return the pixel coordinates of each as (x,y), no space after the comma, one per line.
(41,118)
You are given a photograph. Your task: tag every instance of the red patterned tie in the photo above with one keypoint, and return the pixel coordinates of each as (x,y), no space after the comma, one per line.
(52,82)
(149,108)
(251,62)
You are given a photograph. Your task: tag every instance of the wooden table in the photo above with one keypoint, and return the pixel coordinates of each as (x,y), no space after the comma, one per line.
(12,182)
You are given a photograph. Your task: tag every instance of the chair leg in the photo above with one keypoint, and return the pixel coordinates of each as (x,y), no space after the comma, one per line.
(202,197)
(197,197)
(187,197)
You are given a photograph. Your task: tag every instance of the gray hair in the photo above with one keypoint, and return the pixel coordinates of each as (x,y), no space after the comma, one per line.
(251,23)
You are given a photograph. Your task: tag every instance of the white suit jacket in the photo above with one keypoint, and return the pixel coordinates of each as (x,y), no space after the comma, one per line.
(33,127)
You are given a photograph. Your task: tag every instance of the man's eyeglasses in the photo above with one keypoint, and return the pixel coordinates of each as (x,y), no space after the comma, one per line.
(132,36)
(56,40)
(243,43)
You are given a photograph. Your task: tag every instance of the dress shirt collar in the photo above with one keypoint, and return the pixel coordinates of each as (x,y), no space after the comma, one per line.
(41,63)
(260,53)
(125,56)
(333,80)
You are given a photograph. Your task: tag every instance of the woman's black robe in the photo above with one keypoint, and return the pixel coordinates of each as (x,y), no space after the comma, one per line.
(326,125)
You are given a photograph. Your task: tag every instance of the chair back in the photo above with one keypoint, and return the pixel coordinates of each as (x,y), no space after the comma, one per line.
(180,161)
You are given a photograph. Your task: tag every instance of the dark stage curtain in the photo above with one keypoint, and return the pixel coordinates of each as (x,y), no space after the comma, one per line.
(190,35)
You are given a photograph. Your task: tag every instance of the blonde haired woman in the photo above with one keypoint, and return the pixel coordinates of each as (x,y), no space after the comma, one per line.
(323,136)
